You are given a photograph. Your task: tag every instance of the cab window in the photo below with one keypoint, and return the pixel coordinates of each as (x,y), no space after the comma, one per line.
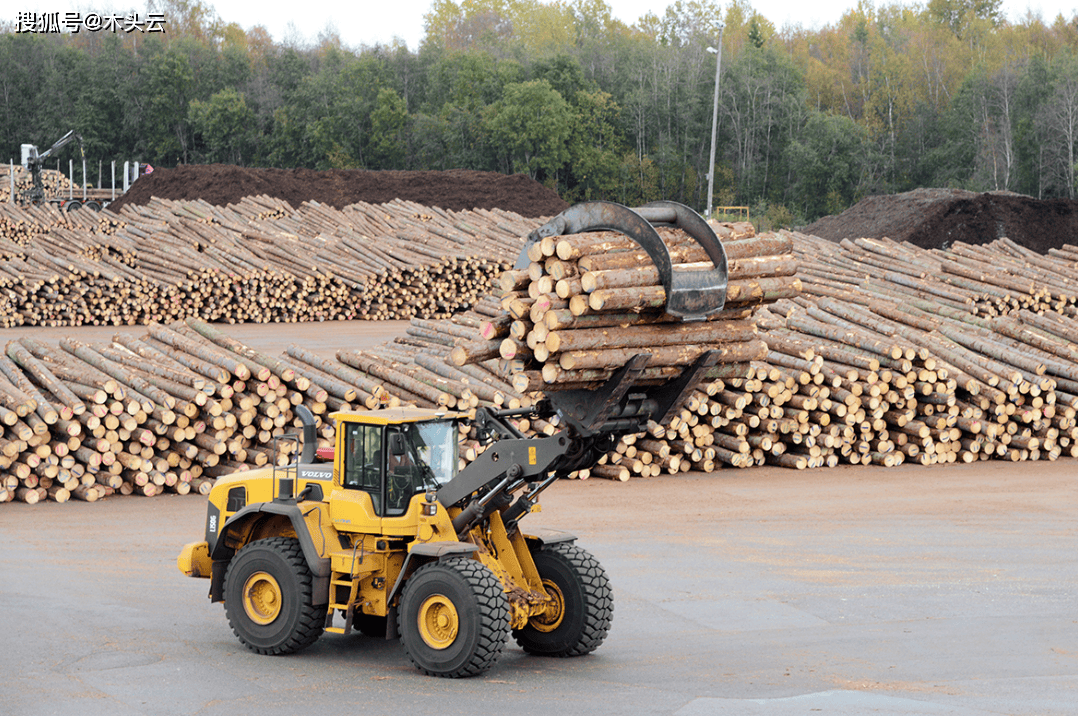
(363,461)
(402,474)
(420,457)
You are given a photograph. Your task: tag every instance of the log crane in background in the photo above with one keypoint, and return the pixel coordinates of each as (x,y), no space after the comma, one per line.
(35,162)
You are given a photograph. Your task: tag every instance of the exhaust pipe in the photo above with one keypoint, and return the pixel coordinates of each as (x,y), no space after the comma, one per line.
(310,436)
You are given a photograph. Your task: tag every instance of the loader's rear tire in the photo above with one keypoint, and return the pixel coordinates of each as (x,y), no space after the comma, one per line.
(268,597)
(453,618)
(583,604)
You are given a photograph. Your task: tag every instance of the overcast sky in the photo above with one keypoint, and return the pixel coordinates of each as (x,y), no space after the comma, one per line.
(368,22)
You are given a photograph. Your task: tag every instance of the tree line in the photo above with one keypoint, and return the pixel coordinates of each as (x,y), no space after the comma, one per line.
(886,99)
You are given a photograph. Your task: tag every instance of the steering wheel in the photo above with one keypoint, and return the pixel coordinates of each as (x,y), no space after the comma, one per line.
(398,487)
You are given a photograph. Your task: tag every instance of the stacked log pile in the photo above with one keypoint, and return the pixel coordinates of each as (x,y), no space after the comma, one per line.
(256,261)
(171,410)
(167,411)
(55,183)
(937,356)
(892,353)
(888,354)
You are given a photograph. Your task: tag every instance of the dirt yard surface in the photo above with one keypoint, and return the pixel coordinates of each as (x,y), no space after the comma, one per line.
(935,218)
(456,189)
(943,590)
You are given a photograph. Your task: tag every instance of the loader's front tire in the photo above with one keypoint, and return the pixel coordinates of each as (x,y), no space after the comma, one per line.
(582,607)
(453,618)
(268,597)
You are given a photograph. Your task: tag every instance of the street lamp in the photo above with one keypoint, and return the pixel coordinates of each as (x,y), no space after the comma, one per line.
(714,122)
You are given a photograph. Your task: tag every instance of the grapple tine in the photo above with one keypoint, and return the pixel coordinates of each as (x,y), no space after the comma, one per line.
(690,294)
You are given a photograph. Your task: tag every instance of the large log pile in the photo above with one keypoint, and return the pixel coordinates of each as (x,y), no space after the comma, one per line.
(889,353)
(170,410)
(163,412)
(938,356)
(256,261)
(55,183)
(892,353)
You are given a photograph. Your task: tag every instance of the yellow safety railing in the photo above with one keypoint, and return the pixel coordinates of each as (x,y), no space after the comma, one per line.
(741,213)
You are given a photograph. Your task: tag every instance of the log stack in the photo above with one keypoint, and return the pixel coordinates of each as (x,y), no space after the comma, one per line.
(892,353)
(164,412)
(170,410)
(256,261)
(889,354)
(55,183)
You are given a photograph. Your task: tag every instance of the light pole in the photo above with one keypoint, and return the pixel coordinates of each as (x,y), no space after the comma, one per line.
(714,123)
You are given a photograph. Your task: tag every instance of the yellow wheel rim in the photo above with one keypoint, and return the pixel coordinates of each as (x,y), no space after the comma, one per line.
(438,622)
(262,598)
(551,618)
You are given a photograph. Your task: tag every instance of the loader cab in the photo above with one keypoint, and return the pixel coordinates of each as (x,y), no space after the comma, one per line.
(384,459)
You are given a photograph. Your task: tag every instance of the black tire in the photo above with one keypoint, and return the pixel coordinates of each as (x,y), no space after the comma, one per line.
(92,205)
(453,618)
(585,604)
(268,597)
(73,205)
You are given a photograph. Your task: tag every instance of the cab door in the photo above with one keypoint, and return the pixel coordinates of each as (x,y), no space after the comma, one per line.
(359,497)
(403,482)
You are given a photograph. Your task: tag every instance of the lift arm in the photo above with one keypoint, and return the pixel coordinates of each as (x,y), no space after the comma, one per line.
(61,143)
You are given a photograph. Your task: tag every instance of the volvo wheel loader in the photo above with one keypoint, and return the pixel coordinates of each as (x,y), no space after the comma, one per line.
(389,537)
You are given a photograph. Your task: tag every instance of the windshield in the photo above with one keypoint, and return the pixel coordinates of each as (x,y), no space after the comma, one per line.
(434,445)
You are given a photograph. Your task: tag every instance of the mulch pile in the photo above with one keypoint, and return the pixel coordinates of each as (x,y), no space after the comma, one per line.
(937,218)
(456,189)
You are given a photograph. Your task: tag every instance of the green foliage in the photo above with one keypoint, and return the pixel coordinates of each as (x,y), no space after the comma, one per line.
(171,85)
(537,28)
(772,217)
(887,98)
(763,103)
(756,36)
(959,15)
(389,127)
(107,107)
(531,124)
(596,145)
(224,124)
(823,163)
(639,180)
(564,74)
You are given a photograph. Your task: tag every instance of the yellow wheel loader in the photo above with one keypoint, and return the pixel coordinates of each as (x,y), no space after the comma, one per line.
(392,539)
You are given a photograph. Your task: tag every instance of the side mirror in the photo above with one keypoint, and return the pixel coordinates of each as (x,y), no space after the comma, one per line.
(396,445)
